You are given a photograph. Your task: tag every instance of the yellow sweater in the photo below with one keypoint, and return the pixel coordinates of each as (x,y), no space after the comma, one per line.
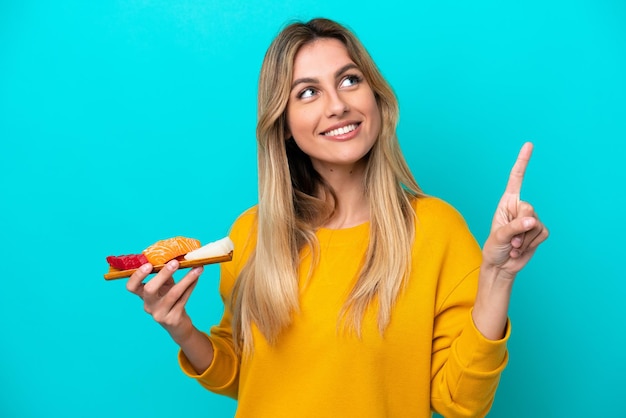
(430,357)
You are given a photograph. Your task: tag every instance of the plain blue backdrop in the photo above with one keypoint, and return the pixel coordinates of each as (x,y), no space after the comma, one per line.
(124,122)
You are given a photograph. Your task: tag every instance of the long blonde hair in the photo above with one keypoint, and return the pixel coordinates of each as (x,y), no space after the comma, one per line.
(266,291)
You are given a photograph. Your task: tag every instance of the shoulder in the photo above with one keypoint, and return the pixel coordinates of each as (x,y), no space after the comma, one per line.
(243,235)
(441,227)
(245,221)
(445,246)
(435,213)
(243,229)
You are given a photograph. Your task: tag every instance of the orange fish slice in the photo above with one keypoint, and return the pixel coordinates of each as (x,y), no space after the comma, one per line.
(165,250)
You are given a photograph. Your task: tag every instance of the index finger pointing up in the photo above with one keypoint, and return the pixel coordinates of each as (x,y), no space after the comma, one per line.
(517,172)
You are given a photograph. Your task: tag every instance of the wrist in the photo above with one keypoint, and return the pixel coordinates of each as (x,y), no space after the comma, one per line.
(490,313)
(497,273)
(183,332)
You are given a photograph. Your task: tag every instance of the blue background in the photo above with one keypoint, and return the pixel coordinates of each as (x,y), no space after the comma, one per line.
(125,122)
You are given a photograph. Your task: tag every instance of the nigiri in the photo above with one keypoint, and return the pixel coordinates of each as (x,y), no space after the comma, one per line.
(212,249)
(165,250)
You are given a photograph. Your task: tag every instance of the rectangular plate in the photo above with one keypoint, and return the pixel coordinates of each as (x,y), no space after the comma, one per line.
(120,274)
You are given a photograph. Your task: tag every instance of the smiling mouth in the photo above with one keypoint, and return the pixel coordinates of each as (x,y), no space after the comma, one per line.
(342,131)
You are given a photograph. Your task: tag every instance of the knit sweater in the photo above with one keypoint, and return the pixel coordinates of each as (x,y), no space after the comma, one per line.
(431,357)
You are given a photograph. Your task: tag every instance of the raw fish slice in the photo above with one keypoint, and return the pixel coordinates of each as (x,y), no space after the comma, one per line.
(165,250)
(127,261)
(213,249)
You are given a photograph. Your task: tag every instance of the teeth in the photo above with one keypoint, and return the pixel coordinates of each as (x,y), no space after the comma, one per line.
(342,130)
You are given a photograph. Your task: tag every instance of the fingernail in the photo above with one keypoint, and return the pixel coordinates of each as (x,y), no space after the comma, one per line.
(527,223)
(146,268)
(172,265)
(198,270)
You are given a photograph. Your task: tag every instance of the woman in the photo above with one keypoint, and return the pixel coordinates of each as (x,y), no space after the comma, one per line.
(351,293)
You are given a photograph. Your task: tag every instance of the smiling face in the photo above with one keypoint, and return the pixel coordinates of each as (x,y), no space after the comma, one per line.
(332,112)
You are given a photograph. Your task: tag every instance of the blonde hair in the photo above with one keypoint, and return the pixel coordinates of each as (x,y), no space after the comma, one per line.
(266,291)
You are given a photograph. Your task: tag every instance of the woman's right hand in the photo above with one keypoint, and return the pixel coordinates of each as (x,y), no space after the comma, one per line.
(165,299)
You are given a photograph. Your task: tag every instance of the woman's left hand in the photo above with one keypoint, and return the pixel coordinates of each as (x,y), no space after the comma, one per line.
(516,230)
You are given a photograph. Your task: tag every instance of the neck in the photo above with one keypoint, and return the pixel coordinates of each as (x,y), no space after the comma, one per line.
(352,206)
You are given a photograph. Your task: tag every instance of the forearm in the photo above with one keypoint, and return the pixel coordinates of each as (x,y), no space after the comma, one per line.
(197,348)
(490,313)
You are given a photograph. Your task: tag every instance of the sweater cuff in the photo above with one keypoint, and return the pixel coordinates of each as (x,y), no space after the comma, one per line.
(476,352)
(220,372)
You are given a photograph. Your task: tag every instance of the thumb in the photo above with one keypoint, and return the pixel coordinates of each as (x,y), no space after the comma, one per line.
(513,232)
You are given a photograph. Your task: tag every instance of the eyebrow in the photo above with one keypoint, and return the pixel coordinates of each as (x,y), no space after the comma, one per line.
(306,80)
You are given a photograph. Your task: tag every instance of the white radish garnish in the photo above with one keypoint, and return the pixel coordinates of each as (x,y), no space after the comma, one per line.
(212,249)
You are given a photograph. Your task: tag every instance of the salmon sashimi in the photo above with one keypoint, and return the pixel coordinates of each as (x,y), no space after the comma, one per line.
(165,250)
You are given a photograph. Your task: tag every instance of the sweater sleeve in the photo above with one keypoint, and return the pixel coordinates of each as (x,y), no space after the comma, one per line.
(466,366)
(222,376)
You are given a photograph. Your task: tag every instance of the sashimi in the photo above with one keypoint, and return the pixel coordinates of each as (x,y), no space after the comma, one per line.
(165,250)
(213,249)
(127,261)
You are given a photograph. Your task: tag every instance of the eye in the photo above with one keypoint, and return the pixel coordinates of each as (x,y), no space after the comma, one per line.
(307,93)
(350,80)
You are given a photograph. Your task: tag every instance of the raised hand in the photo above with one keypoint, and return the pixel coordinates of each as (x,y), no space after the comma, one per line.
(516,230)
(164,299)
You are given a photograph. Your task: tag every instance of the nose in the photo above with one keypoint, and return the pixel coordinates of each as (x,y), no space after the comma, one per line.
(335,104)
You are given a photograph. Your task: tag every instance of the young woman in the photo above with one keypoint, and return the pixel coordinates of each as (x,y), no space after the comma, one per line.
(351,293)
